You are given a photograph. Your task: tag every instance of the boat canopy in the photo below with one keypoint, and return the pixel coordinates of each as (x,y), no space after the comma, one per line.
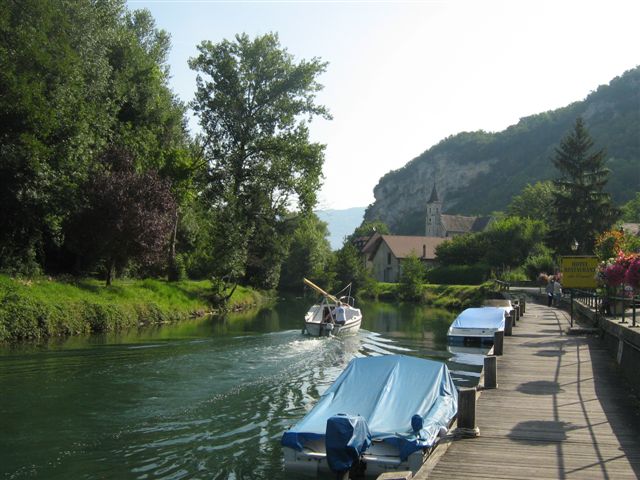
(405,401)
(485,317)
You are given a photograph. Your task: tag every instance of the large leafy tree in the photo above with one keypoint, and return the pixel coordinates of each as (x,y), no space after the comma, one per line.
(535,201)
(582,208)
(128,215)
(75,77)
(309,254)
(254,101)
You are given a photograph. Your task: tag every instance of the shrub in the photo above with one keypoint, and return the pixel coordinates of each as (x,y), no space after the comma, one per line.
(458,274)
(534,265)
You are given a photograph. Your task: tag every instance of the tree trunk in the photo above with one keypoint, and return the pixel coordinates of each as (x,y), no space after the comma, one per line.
(173,274)
(109,272)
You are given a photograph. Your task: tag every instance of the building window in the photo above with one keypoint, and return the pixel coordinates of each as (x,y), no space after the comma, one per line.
(388,259)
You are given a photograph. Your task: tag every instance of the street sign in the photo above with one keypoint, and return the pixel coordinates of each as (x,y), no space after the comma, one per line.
(579,271)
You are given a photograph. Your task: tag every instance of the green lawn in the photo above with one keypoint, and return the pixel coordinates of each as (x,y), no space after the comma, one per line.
(41,308)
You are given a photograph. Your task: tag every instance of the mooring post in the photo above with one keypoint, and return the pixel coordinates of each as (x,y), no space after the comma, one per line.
(467,412)
(490,372)
(508,324)
(523,302)
(498,342)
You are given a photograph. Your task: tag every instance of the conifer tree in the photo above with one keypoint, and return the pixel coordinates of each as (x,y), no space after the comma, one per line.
(582,209)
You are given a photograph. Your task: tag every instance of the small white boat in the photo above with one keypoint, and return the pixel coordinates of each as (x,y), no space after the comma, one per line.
(332,316)
(505,304)
(477,325)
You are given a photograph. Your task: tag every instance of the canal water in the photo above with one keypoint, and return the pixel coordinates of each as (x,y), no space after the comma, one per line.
(207,398)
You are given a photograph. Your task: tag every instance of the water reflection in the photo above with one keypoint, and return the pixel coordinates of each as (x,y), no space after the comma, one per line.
(204,398)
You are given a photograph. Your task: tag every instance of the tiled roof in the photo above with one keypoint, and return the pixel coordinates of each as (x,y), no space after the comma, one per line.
(403,246)
(462,224)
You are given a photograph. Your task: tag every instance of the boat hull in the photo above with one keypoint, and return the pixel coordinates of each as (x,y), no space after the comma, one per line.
(380,459)
(316,329)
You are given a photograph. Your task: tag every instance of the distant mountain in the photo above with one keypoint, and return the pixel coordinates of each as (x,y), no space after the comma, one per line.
(341,223)
(479,172)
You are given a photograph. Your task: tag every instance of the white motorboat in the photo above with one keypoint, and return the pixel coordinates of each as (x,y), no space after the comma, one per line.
(382,414)
(332,316)
(477,325)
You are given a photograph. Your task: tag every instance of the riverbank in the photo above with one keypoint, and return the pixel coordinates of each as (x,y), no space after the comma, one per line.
(42,308)
(450,297)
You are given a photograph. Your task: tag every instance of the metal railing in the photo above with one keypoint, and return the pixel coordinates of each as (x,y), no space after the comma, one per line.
(607,306)
(502,286)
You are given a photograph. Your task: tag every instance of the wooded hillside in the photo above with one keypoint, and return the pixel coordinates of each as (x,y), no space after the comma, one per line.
(479,172)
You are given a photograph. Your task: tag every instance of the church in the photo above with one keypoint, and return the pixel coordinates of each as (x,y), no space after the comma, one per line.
(384,254)
(441,225)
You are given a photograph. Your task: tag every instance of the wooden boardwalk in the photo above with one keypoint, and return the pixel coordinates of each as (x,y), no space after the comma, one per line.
(561,410)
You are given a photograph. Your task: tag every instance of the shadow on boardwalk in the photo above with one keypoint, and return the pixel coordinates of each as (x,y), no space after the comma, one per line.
(561,410)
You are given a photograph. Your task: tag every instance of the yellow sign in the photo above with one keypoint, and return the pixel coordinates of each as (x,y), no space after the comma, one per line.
(579,272)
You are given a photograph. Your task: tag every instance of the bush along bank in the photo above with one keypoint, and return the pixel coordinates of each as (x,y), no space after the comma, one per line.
(450,297)
(43,308)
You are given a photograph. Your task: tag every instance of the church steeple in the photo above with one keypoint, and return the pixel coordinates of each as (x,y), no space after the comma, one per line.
(434,195)
(434,209)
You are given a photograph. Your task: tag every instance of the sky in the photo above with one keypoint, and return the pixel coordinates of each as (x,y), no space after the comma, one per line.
(403,75)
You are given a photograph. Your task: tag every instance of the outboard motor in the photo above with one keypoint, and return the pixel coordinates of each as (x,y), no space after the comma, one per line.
(347,438)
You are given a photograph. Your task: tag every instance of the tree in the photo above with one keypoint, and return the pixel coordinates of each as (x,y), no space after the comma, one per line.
(412,278)
(309,254)
(128,216)
(535,201)
(254,100)
(631,210)
(75,77)
(511,240)
(582,208)
(467,249)
(368,228)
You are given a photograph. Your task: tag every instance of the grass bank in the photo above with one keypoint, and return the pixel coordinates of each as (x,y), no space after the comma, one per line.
(450,297)
(42,308)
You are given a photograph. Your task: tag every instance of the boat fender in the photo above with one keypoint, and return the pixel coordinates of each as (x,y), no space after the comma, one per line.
(347,437)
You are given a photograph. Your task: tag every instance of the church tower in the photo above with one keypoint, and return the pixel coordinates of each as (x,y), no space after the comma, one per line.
(434,210)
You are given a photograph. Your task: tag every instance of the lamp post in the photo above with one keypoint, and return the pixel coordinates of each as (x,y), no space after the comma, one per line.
(574,245)
(574,248)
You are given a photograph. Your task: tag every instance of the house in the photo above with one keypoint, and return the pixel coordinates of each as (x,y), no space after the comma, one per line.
(384,254)
(447,226)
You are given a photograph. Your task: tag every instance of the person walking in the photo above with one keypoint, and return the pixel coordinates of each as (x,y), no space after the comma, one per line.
(557,292)
(549,290)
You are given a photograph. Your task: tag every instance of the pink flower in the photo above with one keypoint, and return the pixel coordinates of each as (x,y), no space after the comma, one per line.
(615,274)
(632,276)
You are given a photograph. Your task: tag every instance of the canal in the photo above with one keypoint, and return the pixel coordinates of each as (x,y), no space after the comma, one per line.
(207,398)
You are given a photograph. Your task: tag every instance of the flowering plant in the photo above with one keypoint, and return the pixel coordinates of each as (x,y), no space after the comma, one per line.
(624,268)
(632,277)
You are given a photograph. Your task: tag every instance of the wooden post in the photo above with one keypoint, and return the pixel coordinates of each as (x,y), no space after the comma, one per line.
(523,302)
(467,412)
(498,342)
(508,325)
(490,372)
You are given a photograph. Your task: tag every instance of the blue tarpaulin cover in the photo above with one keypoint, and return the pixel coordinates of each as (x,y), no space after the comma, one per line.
(485,317)
(347,437)
(387,391)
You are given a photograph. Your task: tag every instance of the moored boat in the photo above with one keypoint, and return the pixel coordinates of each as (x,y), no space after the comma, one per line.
(382,414)
(332,316)
(477,325)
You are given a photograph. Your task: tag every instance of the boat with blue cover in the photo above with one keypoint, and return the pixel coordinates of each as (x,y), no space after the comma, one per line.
(477,325)
(382,414)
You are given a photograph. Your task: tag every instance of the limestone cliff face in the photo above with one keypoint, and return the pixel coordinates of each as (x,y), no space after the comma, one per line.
(478,172)
(407,196)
